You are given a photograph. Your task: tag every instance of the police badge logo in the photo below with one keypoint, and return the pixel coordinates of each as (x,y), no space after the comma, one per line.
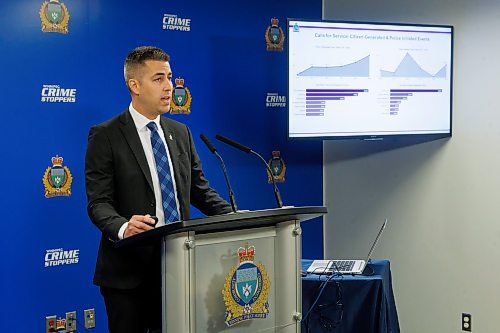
(181,101)
(54,16)
(278,167)
(275,38)
(57,179)
(246,289)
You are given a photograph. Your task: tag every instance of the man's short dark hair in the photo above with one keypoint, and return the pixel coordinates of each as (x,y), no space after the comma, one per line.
(138,56)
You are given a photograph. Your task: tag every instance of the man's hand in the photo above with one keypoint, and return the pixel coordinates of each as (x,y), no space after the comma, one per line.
(138,224)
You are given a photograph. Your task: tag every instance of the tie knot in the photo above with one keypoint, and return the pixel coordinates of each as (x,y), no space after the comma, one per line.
(152,126)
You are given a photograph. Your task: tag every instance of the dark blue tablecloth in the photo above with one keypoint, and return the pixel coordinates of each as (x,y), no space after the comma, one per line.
(365,304)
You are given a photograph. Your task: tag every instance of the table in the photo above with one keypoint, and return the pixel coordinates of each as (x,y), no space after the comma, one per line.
(364,304)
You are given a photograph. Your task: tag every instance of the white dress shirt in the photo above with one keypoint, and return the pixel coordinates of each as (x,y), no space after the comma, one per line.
(141,123)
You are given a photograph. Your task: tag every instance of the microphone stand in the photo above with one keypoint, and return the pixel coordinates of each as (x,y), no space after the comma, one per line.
(248,150)
(277,194)
(231,194)
(213,150)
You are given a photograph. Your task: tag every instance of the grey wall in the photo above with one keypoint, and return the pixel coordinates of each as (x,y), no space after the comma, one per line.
(441,197)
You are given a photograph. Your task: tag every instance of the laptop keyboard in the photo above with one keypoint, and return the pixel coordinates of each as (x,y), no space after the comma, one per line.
(342,265)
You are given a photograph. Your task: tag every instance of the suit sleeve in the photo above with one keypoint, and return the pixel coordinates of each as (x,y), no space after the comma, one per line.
(99,184)
(203,197)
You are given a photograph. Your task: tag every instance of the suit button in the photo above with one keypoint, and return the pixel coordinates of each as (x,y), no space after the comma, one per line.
(152,204)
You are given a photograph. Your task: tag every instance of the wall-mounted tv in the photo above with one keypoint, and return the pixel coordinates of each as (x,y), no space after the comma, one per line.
(368,80)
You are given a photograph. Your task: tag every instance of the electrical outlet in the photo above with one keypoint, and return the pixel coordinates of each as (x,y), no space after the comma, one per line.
(466,322)
(89,315)
(50,324)
(71,321)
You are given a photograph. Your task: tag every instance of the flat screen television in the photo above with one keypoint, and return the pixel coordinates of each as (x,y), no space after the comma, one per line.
(368,80)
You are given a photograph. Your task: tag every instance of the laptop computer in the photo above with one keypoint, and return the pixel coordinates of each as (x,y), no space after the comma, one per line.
(346,266)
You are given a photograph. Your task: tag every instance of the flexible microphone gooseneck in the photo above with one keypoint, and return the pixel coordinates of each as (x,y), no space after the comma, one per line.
(247,150)
(212,149)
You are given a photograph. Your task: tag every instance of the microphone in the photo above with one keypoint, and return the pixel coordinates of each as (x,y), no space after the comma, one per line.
(248,150)
(233,143)
(212,149)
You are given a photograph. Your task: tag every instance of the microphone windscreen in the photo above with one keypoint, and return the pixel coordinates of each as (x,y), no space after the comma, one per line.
(209,144)
(233,143)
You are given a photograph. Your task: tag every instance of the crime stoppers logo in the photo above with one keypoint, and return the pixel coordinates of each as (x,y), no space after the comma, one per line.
(58,257)
(273,100)
(173,22)
(53,93)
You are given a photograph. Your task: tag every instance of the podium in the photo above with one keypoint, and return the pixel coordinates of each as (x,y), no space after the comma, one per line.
(232,273)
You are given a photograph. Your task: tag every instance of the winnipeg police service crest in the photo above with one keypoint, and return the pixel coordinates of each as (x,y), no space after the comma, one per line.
(246,289)
(55,16)
(275,37)
(57,179)
(181,101)
(278,167)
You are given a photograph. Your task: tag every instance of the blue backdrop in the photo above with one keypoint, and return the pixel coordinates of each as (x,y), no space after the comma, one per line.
(225,65)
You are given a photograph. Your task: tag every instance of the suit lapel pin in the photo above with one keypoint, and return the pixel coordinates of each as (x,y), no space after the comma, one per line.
(171,138)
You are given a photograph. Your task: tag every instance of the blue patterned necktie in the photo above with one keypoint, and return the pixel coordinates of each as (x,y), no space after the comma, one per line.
(164,176)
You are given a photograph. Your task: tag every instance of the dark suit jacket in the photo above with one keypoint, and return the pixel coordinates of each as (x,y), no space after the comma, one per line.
(119,185)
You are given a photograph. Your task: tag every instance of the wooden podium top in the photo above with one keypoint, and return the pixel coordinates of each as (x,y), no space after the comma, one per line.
(226,222)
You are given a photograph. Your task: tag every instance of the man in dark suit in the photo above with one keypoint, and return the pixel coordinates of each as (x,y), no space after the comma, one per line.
(139,164)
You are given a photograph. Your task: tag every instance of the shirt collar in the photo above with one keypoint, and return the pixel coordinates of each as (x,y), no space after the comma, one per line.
(141,121)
